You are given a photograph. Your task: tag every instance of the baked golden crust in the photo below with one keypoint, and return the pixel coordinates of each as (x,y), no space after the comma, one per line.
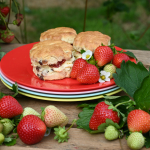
(51,51)
(61,33)
(90,40)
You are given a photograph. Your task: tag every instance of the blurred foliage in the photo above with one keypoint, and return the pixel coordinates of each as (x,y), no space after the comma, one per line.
(127,22)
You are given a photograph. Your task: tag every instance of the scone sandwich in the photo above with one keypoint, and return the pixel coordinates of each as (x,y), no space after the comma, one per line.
(89,40)
(60,33)
(52,59)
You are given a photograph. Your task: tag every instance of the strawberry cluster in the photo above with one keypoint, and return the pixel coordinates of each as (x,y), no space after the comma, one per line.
(29,123)
(99,66)
(6,35)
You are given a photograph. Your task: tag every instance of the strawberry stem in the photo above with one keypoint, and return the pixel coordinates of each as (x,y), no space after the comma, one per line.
(74,121)
(124,103)
(9,13)
(1,16)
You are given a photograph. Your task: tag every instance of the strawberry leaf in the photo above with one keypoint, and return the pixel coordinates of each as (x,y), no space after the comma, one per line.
(142,95)
(147,139)
(130,76)
(103,126)
(15,89)
(9,141)
(130,54)
(82,51)
(84,118)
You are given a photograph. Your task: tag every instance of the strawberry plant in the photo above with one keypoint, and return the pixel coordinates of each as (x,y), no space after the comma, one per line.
(133,78)
(6,34)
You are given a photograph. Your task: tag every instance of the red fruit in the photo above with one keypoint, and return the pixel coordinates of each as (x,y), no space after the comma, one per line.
(31,129)
(100,114)
(4,10)
(118,58)
(9,107)
(19,18)
(103,55)
(7,36)
(138,120)
(89,74)
(78,64)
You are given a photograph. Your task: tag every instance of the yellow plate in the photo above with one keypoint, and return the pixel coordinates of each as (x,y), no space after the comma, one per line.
(62,99)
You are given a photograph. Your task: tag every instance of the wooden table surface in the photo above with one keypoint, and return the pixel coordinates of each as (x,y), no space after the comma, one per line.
(79,138)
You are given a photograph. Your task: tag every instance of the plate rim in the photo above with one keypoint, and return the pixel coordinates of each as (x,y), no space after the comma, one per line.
(64,100)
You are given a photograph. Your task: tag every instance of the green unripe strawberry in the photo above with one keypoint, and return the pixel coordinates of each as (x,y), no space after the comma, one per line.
(111,133)
(8,126)
(61,134)
(30,111)
(110,68)
(1,138)
(1,127)
(136,140)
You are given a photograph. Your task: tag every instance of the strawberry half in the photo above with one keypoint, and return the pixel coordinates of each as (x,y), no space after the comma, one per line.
(138,120)
(9,107)
(100,114)
(89,74)
(78,64)
(103,55)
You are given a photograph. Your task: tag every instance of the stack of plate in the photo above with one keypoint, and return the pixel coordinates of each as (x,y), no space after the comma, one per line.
(16,67)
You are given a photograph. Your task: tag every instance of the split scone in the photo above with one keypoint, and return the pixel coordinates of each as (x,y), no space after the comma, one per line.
(60,33)
(89,40)
(52,60)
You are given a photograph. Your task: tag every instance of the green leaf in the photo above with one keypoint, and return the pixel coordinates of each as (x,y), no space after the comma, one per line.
(102,127)
(15,89)
(84,118)
(2,54)
(129,78)
(147,140)
(10,143)
(15,6)
(130,54)
(142,95)
(82,51)
(2,95)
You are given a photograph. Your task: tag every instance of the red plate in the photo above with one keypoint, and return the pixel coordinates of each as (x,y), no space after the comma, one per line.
(16,65)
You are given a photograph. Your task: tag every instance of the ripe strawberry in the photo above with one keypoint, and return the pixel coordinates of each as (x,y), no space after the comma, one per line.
(7,36)
(111,133)
(52,117)
(4,10)
(103,55)
(136,140)
(30,111)
(1,138)
(31,129)
(110,68)
(118,58)
(9,107)
(78,64)
(100,114)
(7,126)
(138,120)
(89,74)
